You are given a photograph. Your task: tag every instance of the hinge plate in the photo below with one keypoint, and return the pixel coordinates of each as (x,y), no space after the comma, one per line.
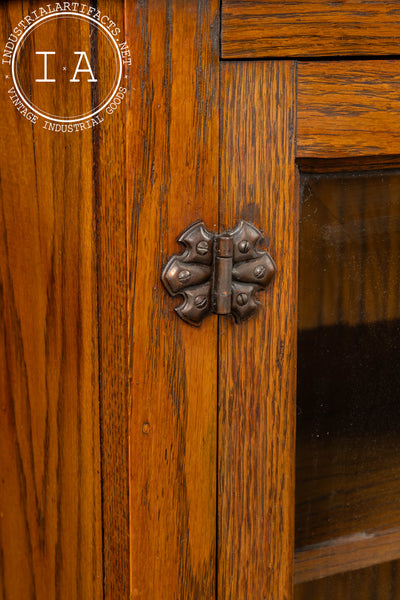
(218,273)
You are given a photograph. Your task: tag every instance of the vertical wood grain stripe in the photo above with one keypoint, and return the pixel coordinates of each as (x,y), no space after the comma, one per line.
(257,358)
(172,179)
(50,495)
(309,28)
(110,199)
(349,108)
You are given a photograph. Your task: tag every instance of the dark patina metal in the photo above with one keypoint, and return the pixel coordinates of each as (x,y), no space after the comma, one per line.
(218,273)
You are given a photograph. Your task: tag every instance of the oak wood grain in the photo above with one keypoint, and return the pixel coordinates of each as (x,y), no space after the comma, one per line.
(110,201)
(172,170)
(348,553)
(50,494)
(256,375)
(306,28)
(349,108)
(348,164)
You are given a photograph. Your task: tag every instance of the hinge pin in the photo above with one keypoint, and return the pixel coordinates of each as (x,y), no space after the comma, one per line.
(222,293)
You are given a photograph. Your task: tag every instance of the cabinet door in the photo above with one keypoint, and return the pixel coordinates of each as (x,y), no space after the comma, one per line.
(347,472)
(141,457)
(333,207)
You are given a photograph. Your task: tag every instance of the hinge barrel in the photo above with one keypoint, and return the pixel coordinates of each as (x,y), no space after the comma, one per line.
(222,293)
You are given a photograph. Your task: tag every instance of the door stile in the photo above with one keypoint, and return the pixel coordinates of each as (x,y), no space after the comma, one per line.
(172,180)
(50,488)
(256,419)
(110,204)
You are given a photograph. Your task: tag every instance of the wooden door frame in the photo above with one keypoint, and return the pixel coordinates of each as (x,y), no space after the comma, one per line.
(176,543)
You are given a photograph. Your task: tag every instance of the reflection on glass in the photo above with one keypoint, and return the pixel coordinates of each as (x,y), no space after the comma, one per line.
(348,421)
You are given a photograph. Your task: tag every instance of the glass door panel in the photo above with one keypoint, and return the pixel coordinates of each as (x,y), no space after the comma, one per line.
(348,418)
(380,582)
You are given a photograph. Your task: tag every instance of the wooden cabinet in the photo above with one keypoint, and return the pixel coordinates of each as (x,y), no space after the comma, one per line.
(141,457)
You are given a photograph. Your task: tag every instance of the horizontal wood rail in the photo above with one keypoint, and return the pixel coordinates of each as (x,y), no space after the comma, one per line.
(347,553)
(348,109)
(348,164)
(304,28)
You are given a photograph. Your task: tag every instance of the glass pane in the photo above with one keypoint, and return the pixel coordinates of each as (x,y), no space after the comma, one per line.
(348,421)
(381,582)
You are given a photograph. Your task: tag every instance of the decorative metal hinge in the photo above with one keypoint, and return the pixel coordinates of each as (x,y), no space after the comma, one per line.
(218,273)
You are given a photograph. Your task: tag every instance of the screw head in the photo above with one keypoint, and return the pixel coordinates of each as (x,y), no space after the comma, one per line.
(202,247)
(184,275)
(244,246)
(242,299)
(200,302)
(259,272)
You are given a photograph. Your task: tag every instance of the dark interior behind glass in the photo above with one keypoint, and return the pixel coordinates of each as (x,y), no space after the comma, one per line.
(348,398)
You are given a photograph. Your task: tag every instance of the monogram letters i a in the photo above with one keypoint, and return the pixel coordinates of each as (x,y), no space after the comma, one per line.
(82,56)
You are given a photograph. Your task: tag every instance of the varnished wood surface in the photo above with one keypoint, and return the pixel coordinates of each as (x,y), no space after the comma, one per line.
(348,108)
(50,493)
(110,198)
(348,164)
(349,553)
(172,167)
(306,28)
(256,375)
(380,582)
